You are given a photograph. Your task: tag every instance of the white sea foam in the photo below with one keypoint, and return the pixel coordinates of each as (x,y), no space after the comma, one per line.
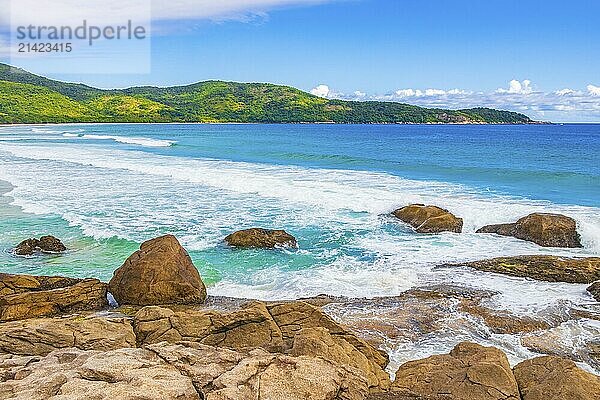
(141,141)
(136,195)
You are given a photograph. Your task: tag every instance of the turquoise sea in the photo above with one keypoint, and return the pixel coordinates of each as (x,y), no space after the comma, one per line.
(103,189)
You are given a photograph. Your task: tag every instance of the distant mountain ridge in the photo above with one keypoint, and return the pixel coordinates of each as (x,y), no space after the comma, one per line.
(29,98)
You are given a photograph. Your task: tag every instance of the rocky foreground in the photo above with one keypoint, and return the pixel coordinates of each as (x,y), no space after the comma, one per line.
(59,339)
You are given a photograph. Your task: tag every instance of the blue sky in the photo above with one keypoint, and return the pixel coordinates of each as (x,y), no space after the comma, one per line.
(450,53)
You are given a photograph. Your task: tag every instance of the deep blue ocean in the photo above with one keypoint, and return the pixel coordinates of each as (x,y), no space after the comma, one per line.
(104,189)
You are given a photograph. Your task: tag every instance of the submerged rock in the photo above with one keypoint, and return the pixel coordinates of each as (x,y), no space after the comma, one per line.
(261,238)
(161,272)
(594,290)
(429,219)
(543,268)
(45,244)
(26,296)
(546,230)
(555,378)
(469,372)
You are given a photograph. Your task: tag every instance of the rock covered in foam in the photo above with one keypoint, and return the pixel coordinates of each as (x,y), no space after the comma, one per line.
(45,244)
(429,219)
(546,230)
(543,268)
(469,372)
(594,290)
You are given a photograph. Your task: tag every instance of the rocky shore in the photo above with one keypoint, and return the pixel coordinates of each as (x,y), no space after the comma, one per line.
(59,339)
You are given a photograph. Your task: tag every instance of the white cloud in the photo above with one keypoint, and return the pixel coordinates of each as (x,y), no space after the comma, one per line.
(593,90)
(562,105)
(162,10)
(516,87)
(321,91)
(565,92)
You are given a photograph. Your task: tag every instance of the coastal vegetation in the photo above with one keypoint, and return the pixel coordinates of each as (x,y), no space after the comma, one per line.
(29,98)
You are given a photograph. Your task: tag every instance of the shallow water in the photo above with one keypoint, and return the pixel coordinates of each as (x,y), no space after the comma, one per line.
(103,189)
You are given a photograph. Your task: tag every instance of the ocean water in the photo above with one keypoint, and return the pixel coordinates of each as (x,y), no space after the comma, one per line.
(103,189)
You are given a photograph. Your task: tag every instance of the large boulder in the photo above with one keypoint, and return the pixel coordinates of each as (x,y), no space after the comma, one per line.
(546,230)
(594,290)
(543,268)
(27,296)
(34,337)
(469,372)
(555,378)
(294,328)
(429,219)
(45,244)
(261,238)
(161,272)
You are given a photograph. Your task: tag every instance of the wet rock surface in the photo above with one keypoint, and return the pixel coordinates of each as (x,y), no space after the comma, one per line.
(161,272)
(594,290)
(543,268)
(547,230)
(429,219)
(45,244)
(469,372)
(261,239)
(27,296)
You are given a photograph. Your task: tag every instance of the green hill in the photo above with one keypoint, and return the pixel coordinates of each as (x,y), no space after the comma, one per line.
(29,98)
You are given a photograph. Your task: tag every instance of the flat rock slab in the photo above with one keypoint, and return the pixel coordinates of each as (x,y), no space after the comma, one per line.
(35,337)
(26,296)
(186,371)
(542,268)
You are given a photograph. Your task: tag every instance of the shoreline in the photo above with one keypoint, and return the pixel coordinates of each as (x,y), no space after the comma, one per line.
(293,123)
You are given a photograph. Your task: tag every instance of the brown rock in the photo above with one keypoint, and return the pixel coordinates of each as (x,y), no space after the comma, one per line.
(161,272)
(227,375)
(543,268)
(41,336)
(594,290)
(429,219)
(469,372)
(248,328)
(261,238)
(26,296)
(319,342)
(27,247)
(127,374)
(46,244)
(294,328)
(555,378)
(185,371)
(547,230)
(552,342)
